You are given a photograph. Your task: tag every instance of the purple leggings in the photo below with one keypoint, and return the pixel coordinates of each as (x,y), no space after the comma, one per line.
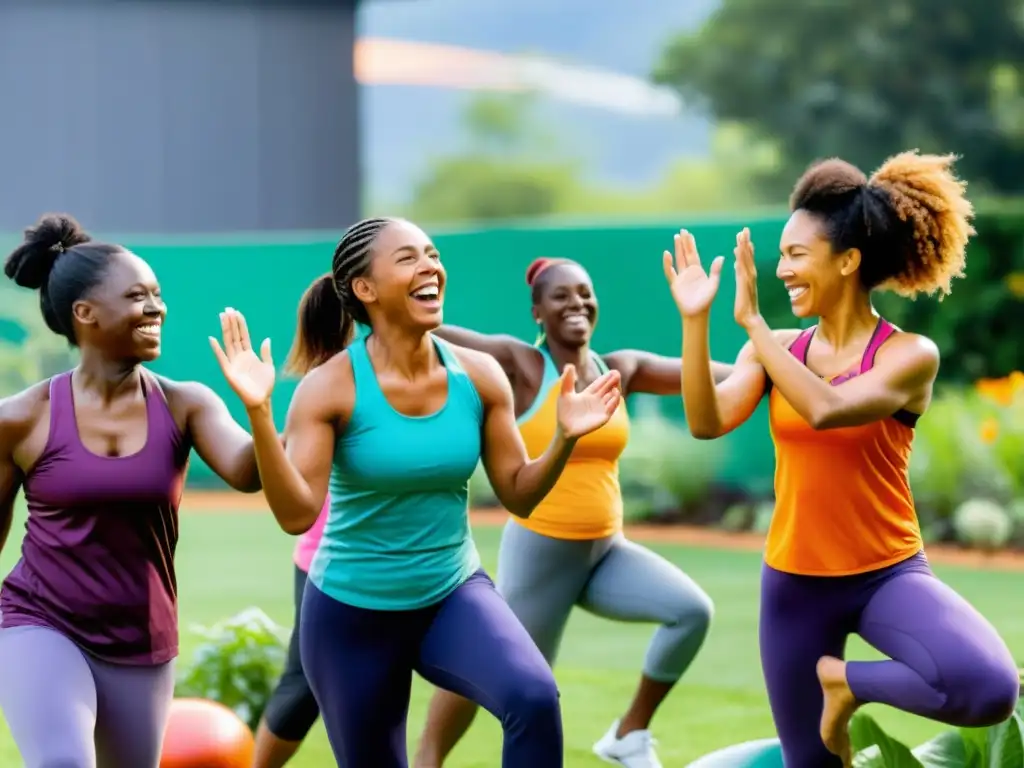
(67,709)
(946,662)
(359,664)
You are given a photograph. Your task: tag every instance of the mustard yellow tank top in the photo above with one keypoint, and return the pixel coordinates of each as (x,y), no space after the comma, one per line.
(586,502)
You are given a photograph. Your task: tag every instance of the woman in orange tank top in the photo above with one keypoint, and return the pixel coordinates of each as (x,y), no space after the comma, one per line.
(571,550)
(844,553)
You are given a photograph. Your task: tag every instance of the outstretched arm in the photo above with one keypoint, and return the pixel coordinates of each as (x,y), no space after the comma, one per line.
(511,353)
(296,468)
(653,374)
(519,482)
(219,440)
(715,408)
(294,478)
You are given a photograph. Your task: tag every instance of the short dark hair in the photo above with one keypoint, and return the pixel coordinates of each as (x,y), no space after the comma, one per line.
(61,261)
(911,220)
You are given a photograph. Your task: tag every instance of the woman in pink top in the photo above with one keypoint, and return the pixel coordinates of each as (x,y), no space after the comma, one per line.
(292,710)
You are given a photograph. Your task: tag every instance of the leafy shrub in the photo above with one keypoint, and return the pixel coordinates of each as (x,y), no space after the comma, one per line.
(954,460)
(664,468)
(238,664)
(983,524)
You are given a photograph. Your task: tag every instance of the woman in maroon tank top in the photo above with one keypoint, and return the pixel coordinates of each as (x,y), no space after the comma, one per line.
(88,616)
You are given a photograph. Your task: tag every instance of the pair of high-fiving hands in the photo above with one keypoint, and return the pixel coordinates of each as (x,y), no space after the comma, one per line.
(252,378)
(694,289)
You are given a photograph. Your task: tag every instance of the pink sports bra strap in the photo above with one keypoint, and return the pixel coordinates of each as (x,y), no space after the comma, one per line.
(802,343)
(882,333)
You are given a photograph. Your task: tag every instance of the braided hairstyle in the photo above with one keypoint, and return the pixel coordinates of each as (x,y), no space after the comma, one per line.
(910,221)
(328,311)
(61,261)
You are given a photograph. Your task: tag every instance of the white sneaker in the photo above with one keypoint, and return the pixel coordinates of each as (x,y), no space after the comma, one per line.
(634,750)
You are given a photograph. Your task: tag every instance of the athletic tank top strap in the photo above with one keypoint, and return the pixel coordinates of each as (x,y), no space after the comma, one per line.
(802,344)
(548,380)
(883,332)
(63,431)
(460,384)
(368,393)
(798,348)
(370,398)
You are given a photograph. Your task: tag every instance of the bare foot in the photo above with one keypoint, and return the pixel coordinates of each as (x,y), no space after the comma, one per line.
(840,704)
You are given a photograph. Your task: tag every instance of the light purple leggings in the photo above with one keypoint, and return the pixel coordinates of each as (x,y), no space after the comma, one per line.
(67,709)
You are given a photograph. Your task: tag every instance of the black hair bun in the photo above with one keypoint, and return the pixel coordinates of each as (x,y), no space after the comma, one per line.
(30,264)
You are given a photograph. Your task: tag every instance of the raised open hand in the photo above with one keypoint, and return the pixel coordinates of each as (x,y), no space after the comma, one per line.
(582,412)
(692,288)
(746,310)
(250,376)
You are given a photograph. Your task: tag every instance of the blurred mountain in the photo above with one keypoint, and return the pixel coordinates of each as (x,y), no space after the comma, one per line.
(406,126)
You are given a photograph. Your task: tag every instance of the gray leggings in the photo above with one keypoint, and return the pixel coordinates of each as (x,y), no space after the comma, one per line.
(67,709)
(542,578)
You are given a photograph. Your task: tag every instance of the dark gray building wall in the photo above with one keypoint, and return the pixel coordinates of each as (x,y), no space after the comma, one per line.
(179,116)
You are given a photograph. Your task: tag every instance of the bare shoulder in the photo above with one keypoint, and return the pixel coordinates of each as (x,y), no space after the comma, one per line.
(185,395)
(20,412)
(328,390)
(911,350)
(26,406)
(485,372)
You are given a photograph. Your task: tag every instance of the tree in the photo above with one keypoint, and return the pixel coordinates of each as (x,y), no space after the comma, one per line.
(504,174)
(864,79)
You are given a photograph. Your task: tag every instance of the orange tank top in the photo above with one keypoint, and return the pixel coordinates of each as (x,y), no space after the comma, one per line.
(586,502)
(842,496)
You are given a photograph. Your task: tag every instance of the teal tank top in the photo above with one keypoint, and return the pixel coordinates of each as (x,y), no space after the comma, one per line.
(397,534)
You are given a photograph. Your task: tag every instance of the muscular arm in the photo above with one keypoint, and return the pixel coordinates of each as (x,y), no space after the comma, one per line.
(15,423)
(715,409)
(510,352)
(10,484)
(903,374)
(519,482)
(295,470)
(219,440)
(655,374)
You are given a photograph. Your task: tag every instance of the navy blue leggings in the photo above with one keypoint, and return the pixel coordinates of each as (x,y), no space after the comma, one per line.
(359,664)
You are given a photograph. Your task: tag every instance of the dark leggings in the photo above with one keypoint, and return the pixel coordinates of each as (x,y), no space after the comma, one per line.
(946,662)
(360,662)
(292,709)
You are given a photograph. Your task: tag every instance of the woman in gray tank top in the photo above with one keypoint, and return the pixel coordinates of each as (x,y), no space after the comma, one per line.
(88,616)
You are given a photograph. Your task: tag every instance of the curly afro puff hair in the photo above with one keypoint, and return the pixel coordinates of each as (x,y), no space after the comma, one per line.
(911,220)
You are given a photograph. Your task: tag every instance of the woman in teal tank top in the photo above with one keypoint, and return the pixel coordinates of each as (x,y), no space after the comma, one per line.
(395,425)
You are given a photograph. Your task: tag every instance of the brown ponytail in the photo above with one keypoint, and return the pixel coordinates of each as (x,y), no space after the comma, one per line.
(323,329)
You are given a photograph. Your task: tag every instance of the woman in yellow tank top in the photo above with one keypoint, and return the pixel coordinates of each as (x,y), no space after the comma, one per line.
(844,553)
(571,550)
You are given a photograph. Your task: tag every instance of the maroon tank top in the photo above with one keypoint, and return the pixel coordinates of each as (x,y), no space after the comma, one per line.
(97,560)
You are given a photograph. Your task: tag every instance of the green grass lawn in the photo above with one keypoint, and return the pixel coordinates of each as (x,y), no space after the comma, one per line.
(233,561)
